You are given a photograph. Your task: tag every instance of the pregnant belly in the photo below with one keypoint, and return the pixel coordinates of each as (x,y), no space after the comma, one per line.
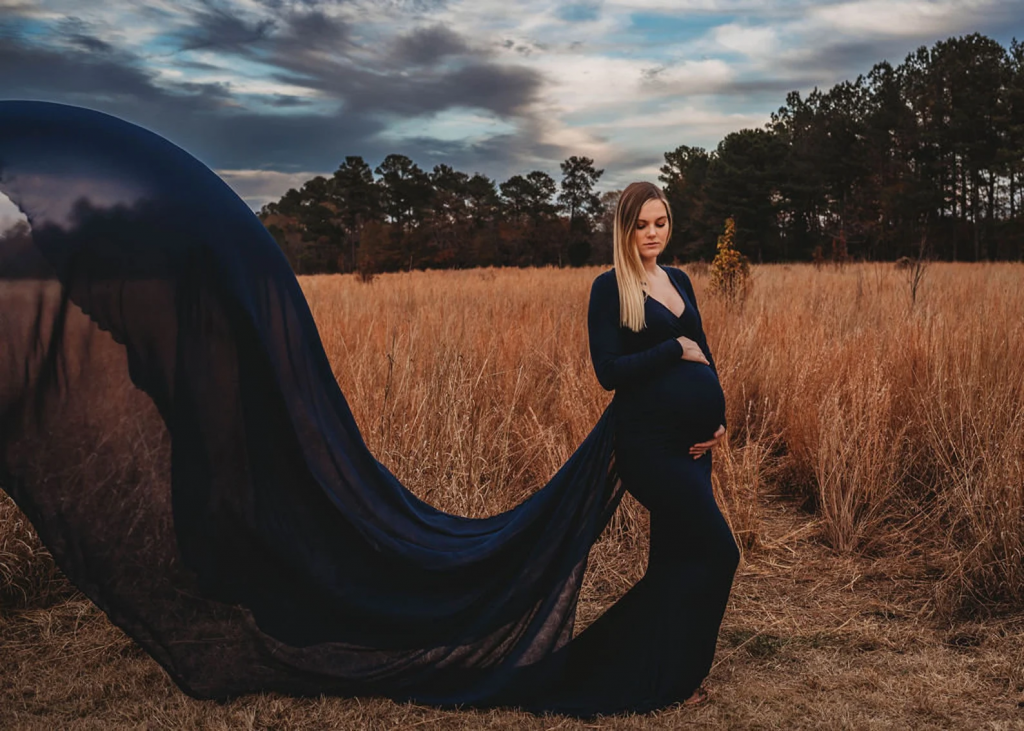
(681,405)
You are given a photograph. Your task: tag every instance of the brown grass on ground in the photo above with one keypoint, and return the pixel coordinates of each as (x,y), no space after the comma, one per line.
(811,639)
(873,477)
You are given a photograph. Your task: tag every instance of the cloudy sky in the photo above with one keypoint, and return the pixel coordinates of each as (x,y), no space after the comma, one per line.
(270,92)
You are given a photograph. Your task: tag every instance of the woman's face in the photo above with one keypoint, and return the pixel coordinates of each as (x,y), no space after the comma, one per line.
(652,229)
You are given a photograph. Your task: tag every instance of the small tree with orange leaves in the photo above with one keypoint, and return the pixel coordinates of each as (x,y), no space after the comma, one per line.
(730,270)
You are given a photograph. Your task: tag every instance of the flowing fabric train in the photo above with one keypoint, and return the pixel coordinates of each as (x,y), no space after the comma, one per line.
(225,511)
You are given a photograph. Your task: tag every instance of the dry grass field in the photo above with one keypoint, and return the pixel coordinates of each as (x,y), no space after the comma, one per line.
(873,475)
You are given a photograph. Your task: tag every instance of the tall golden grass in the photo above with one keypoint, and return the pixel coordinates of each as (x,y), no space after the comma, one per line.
(900,423)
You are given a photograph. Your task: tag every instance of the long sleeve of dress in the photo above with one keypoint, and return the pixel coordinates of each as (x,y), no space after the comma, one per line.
(612,365)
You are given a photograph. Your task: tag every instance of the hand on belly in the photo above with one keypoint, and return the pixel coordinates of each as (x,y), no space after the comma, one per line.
(700,448)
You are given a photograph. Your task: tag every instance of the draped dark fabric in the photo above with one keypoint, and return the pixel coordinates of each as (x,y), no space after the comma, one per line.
(170,424)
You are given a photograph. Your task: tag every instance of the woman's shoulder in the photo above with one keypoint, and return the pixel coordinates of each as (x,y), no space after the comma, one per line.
(605,281)
(679,274)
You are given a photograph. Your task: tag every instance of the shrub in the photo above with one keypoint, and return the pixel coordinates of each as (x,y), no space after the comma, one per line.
(730,270)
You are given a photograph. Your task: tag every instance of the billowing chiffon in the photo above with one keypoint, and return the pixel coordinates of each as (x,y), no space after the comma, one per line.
(226,513)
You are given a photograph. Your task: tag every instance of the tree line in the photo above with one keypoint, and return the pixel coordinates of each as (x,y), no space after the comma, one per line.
(408,218)
(921,159)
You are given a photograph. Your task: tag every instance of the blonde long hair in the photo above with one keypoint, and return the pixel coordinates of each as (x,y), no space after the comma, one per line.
(629,269)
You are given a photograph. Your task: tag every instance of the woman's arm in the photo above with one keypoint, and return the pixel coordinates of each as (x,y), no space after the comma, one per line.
(612,365)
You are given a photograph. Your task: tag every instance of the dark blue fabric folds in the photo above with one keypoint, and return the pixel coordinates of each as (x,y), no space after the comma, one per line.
(241,531)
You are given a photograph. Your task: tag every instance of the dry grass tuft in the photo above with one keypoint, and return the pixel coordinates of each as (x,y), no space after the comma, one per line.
(28,576)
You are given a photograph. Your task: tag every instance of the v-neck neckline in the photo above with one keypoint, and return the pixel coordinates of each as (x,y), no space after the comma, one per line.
(681,296)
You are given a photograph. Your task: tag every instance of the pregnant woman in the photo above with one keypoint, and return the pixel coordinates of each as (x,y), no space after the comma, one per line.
(656,644)
(172,427)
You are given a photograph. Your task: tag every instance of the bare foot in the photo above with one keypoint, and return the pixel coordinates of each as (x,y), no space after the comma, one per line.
(699,697)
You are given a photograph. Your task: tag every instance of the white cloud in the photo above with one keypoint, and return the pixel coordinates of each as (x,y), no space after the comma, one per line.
(449,125)
(705,6)
(257,187)
(894,18)
(702,76)
(749,41)
(9,214)
(694,119)
(643,136)
(579,84)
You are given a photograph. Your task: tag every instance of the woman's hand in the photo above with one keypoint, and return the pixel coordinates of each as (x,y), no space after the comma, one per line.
(692,351)
(698,449)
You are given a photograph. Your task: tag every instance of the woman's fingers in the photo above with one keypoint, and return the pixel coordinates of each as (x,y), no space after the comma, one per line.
(691,350)
(698,449)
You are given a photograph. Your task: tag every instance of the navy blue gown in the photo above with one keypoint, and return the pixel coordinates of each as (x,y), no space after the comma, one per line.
(171,425)
(655,645)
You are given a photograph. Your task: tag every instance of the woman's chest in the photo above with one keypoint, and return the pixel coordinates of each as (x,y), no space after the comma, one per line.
(661,324)
(669,297)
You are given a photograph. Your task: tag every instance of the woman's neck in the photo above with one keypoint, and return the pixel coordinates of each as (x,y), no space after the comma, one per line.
(651,267)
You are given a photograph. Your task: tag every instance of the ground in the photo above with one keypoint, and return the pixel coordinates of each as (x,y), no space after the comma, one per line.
(811,639)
